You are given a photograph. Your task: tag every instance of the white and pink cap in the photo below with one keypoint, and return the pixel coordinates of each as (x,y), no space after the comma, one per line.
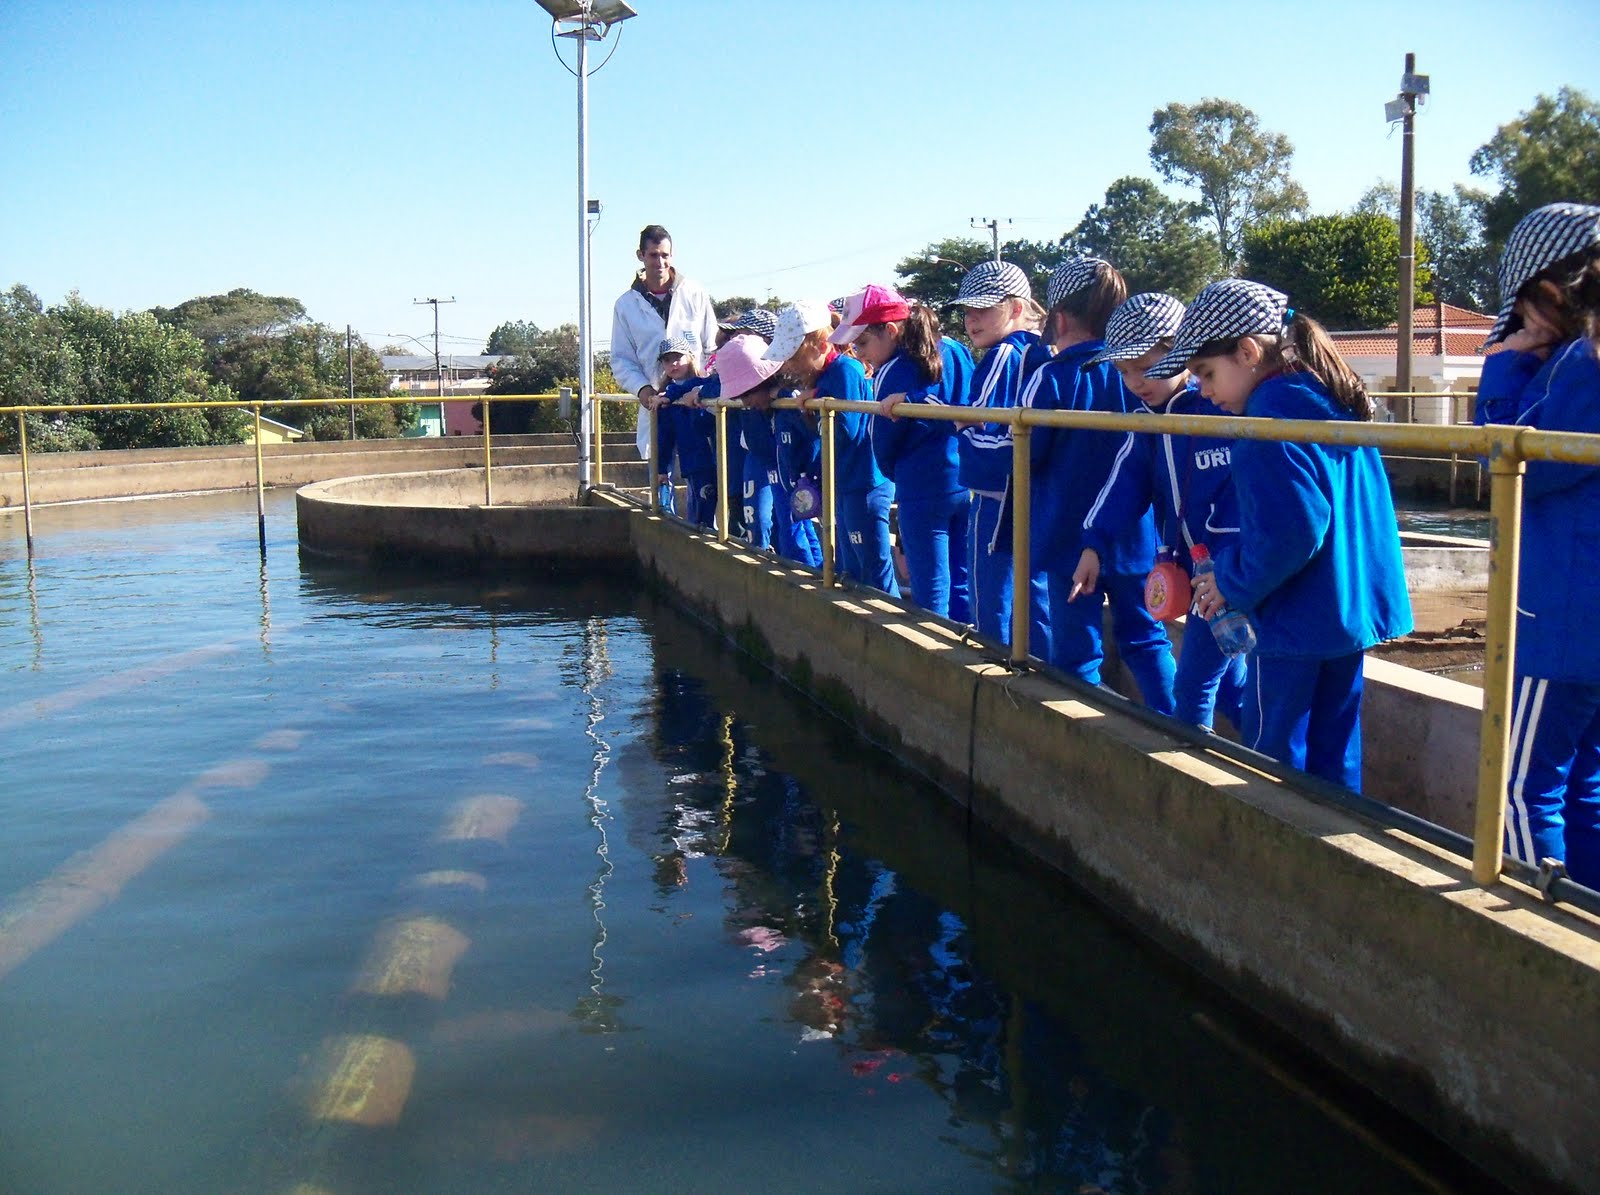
(870,305)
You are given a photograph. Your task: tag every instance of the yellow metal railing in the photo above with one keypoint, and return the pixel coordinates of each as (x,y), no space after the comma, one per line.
(1506,448)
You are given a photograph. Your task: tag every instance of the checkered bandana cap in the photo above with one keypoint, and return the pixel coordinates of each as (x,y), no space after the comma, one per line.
(1138,323)
(1071,276)
(990,282)
(686,343)
(1222,311)
(757,319)
(1541,238)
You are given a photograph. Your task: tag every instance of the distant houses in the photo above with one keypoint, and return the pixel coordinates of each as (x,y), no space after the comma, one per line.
(1446,361)
(463,374)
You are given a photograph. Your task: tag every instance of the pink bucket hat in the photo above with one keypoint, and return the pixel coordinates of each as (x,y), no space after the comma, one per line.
(871,305)
(741,367)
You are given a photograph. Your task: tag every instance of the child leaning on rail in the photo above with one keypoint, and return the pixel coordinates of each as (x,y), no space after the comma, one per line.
(1186,480)
(1548,377)
(1317,566)
(1070,465)
(912,363)
(1000,320)
(691,428)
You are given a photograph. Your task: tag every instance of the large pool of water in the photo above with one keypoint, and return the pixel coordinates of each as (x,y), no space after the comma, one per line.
(571,896)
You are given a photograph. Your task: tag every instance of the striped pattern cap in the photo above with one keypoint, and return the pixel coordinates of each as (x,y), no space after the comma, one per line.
(1138,324)
(991,282)
(757,320)
(1223,311)
(1071,276)
(686,343)
(1541,238)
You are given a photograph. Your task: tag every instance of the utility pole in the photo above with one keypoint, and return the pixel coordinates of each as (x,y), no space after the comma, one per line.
(438,369)
(350,375)
(993,225)
(1413,87)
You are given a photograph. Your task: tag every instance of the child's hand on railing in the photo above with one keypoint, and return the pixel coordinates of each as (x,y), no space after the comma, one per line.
(888,403)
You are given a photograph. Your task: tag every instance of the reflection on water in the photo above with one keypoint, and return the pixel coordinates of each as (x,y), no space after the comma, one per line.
(1463,522)
(520,887)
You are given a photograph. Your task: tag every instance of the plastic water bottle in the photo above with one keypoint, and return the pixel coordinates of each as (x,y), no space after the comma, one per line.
(1232,630)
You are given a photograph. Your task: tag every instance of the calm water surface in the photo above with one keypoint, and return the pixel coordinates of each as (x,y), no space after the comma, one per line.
(710,941)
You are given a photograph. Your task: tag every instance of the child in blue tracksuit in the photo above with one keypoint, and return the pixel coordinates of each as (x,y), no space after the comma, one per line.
(912,362)
(1070,465)
(743,374)
(863,493)
(1188,482)
(692,429)
(1316,567)
(1000,317)
(1548,377)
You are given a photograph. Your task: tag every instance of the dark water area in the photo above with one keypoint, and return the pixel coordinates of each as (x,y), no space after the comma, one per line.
(720,944)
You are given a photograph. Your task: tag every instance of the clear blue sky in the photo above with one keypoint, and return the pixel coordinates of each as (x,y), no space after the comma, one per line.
(359,155)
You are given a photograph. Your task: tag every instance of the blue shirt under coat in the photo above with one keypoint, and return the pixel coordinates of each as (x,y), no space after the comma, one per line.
(799,448)
(1070,466)
(985,448)
(1560,508)
(1317,563)
(855,467)
(1185,481)
(920,455)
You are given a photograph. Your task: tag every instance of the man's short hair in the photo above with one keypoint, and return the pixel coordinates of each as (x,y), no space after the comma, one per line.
(652,233)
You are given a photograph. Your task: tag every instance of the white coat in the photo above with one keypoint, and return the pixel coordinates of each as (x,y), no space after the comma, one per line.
(636,333)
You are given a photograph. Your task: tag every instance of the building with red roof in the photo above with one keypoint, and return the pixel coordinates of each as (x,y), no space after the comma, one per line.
(1446,360)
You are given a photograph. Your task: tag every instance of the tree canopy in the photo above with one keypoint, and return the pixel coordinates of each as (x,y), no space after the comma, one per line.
(1241,171)
(1548,154)
(1344,270)
(1151,238)
(215,319)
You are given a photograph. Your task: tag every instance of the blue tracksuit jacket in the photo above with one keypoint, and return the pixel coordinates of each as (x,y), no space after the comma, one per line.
(695,429)
(1560,507)
(1186,480)
(1317,564)
(920,456)
(856,468)
(985,449)
(1071,466)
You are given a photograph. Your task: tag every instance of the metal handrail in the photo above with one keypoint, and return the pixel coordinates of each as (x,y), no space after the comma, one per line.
(1506,448)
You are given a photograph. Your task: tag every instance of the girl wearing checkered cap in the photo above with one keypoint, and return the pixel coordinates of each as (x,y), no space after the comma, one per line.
(1070,465)
(1186,481)
(677,361)
(1000,318)
(1316,566)
(1548,377)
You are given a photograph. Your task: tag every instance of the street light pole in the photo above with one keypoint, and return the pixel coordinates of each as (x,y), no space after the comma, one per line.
(1404,109)
(584,21)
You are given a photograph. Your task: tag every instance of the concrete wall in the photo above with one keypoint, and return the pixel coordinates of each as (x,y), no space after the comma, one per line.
(76,476)
(432,516)
(1476,1012)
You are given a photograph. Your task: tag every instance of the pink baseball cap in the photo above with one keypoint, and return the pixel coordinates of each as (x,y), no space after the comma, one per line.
(871,305)
(741,367)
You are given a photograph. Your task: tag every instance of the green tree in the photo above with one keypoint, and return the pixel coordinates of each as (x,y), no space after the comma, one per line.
(1549,154)
(308,361)
(215,319)
(1151,238)
(1240,171)
(511,337)
(734,304)
(545,363)
(1449,228)
(1342,270)
(38,367)
(933,276)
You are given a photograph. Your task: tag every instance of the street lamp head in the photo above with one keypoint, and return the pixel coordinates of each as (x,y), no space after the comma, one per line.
(593,12)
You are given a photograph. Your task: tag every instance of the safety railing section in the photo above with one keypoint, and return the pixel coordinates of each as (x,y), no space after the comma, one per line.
(21,412)
(1506,449)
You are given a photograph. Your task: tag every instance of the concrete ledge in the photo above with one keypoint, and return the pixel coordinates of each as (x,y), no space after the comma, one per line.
(439,516)
(1475,1012)
(1443,562)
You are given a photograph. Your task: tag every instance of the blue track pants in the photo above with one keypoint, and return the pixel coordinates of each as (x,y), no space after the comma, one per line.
(933,536)
(1553,806)
(1307,714)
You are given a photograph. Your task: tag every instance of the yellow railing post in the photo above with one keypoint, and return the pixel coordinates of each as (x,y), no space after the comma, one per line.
(655,465)
(721,416)
(488,488)
(829,530)
(599,437)
(1021,517)
(261,487)
(27,496)
(1506,469)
